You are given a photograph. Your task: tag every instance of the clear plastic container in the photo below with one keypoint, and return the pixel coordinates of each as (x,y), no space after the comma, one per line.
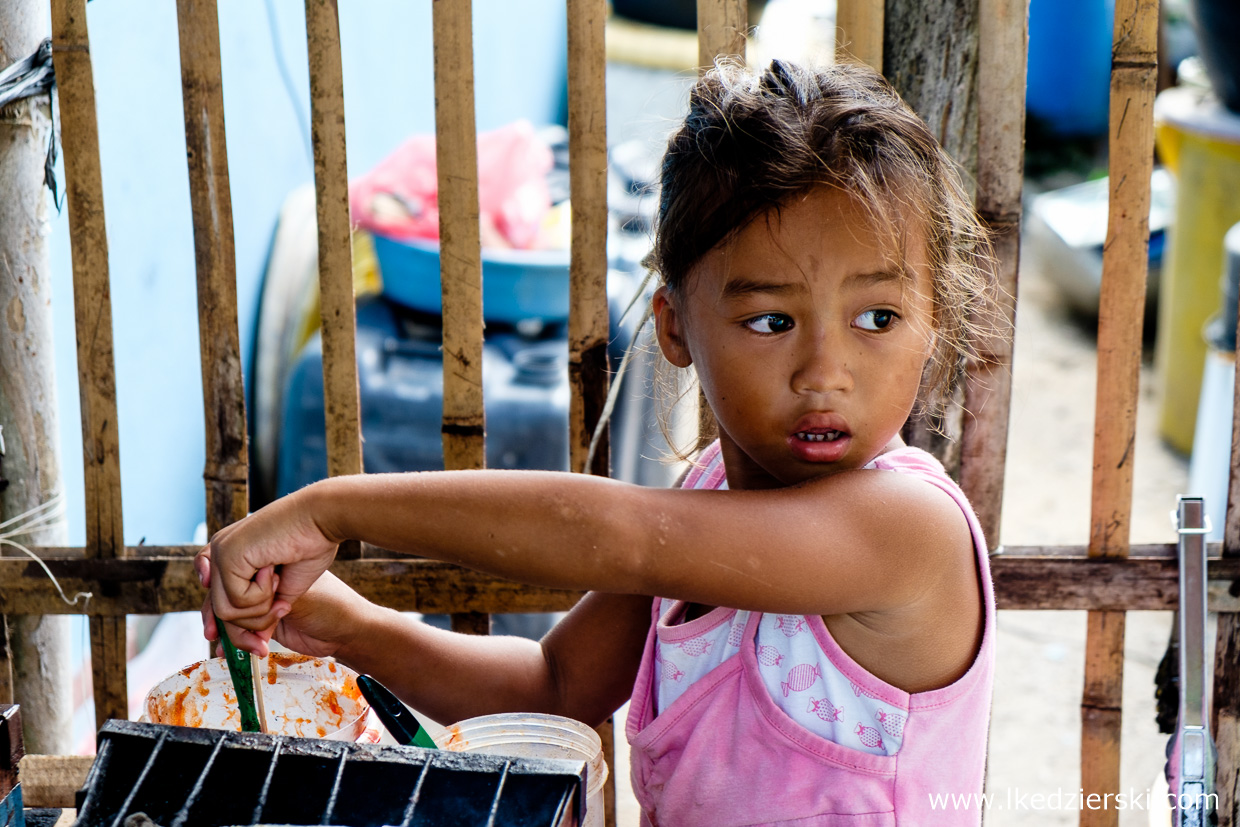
(529,735)
(306,697)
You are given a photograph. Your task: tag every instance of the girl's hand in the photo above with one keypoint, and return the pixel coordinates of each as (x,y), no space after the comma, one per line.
(321,624)
(257,568)
(324,621)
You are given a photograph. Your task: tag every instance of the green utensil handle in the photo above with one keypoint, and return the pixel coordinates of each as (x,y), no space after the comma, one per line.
(242,679)
(422,738)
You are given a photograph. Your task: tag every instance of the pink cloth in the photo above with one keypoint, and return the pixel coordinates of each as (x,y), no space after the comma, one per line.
(724,753)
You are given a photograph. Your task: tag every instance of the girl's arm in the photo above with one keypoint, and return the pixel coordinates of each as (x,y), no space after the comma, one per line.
(856,541)
(584,668)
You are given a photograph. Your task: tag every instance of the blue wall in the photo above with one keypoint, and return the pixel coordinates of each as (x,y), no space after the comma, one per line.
(386,47)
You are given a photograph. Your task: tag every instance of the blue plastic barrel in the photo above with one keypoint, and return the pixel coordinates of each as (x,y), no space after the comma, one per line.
(1069,80)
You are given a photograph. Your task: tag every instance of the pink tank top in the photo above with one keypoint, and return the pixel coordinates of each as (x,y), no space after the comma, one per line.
(724,752)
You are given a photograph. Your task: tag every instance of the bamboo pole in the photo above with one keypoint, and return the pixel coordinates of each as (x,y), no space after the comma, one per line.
(342,408)
(6,663)
(1002,36)
(722,27)
(460,247)
(1125,256)
(1225,715)
(460,251)
(92,307)
(471,623)
(159,579)
(859,32)
(223,390)
(588,316)
(587,152)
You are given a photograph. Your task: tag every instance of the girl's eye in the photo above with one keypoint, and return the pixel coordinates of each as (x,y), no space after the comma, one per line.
(770,323)
(876,319)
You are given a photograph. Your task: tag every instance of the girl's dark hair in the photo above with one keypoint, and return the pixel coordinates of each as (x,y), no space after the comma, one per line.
(752,143)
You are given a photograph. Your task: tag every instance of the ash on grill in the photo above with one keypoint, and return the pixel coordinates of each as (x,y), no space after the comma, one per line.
(181,777)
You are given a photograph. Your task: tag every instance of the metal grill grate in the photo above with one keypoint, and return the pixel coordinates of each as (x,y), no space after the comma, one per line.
(182,777)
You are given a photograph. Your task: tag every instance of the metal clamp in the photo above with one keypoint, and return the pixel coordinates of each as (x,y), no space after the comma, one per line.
(1204,529)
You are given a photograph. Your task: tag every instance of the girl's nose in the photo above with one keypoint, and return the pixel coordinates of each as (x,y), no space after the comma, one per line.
(822,364)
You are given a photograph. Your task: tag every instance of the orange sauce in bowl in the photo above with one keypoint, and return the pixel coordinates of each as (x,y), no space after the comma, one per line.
(193,697)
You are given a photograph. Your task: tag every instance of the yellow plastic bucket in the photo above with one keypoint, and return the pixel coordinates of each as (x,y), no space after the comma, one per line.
(1199,141)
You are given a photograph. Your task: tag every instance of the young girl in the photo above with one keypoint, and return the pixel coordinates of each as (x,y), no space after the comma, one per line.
(820,645)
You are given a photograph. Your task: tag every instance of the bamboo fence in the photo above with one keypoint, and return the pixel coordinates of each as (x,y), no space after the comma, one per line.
(1106,578)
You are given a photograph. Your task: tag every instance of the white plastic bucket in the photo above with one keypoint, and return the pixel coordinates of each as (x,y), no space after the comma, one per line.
(306,697)
(528,735)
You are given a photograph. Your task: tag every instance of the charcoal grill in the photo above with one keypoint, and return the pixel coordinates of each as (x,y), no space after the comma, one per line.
(185,777)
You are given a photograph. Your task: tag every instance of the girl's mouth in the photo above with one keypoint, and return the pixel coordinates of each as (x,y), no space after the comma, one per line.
(819,436)
(820,444)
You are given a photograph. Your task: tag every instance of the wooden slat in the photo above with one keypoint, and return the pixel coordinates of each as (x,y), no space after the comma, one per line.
(722,27)
(92,307)
(1125,258)
(588,314)
(223,389)
(859,32)
(6,663)
(331,187)
(607,736)
(471,623)
(1124,261)
(1104,584)
(92,298)
(587,152)
(1101,712)
(1001,140)
(108,658)
(53,780)
(163,580)
(1226,707)
(156,585)
(1225,716)
(460,250)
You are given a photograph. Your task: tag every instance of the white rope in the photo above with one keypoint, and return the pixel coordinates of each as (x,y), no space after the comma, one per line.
(47,518)
(41,516)
(55,582)
(57,500)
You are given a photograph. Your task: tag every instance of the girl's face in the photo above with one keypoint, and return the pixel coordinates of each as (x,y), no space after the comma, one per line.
(808,340)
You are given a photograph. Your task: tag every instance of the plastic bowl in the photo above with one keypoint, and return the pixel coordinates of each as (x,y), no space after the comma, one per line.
(305,697)
(531,735)
(516,284)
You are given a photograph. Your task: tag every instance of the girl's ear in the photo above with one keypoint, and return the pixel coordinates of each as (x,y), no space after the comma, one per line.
(669,327)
